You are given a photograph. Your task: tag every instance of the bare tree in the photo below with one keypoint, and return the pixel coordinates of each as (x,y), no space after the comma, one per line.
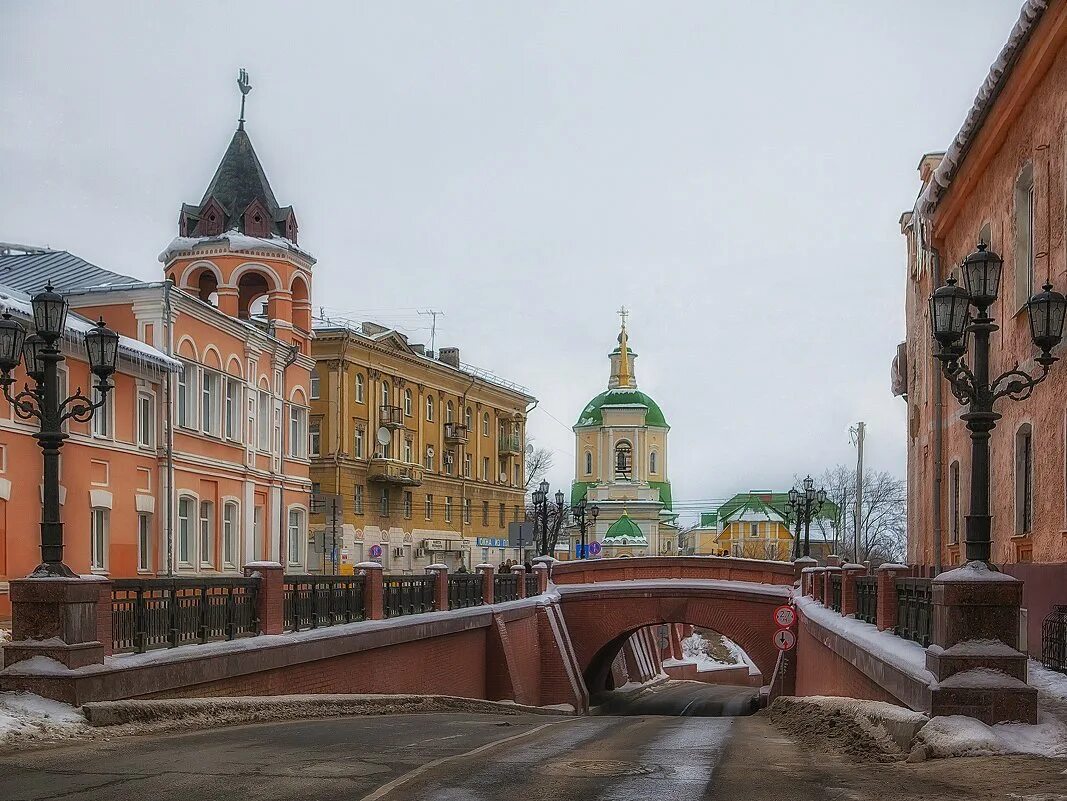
(547,539)
(883,519)
(538,462)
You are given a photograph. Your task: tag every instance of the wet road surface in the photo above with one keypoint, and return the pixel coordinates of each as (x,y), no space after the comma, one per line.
(683,698)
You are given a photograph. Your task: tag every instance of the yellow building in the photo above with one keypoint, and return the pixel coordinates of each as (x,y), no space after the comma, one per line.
(423,454)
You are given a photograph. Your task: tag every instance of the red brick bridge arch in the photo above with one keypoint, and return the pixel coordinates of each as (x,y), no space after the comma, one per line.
(601,618)
(589,571)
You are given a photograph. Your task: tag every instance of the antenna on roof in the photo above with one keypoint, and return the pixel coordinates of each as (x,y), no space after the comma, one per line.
(245,87)
(433,326)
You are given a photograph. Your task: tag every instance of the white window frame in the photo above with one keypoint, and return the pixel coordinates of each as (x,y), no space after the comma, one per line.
(231,526)
(428,506)
(210,402)
(99,538)
(205,530)
(358,499)
(358,446)
(263,405)
(429,408)
(144,542)
(188,396)
(315,438)
(361,383)
(185,531)
(298,431)
(231,427)
(102,425)
(407,403)
(297,536)
(313,385)
(448,508)
(146,419)
(485,424)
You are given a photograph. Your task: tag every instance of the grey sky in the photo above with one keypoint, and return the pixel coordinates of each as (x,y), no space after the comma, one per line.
(732,172)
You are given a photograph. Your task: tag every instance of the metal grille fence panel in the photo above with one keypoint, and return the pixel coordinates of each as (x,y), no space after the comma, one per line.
(867,599)
(408,595)
(465,590)
(1054,640)
(312,601)
(505,587)
(533,585)
(913,609)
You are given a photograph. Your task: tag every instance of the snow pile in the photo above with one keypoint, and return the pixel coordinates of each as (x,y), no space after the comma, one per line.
(26,718)
(5,636)
(1048,682)
(867,730)
(959,736)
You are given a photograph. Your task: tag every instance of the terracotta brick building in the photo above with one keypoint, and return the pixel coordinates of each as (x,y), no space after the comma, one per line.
(1003,182)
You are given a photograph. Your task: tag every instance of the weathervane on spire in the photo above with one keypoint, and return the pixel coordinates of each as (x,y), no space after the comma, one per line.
(245,87)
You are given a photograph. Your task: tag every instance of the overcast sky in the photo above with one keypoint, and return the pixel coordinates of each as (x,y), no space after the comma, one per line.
(731,172)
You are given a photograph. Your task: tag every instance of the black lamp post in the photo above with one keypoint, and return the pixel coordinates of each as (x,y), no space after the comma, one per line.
(579,511)
(42,356)
(951,324)
(805,502)
(540,502)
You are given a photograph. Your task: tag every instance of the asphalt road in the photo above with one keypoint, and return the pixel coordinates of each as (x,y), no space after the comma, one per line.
(683,698)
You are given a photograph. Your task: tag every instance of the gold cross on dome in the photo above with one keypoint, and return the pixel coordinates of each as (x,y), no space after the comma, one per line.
(623,313)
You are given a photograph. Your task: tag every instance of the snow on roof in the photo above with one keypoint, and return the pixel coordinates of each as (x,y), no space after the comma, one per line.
(133,350)
(235,241)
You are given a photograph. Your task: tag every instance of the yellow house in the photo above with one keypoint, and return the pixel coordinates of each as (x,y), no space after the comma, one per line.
(422,454)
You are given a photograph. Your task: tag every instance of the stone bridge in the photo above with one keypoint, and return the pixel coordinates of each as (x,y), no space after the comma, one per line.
(591,627)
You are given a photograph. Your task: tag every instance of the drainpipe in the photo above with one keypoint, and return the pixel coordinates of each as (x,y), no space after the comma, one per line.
(168,345)
(939,414)
(464,479)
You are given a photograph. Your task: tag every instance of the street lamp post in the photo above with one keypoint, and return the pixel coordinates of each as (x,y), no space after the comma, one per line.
(579,512)
(805,502)
(952,325)
(42,356)
(540,502)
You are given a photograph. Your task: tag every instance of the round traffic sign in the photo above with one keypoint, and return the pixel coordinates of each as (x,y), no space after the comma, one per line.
(375,551)
(595,548)
(784,639)
(785,616)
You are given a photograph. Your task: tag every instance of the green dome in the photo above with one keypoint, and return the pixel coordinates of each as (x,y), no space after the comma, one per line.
(593,415)
(625,530)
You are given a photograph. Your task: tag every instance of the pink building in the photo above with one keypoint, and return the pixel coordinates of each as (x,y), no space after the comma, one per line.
(1003,182)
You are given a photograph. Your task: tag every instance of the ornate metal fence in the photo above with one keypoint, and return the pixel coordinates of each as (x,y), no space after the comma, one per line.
(835,592)
(1054,640)
(168,612)
(408,595)
(505,587)
(313,601)
(465,589)
(913,609)
(533,585)
(867,599)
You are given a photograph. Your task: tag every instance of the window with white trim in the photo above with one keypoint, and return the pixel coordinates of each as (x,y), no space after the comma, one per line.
(314,438)
(383,502)
(232,413)
(187,395)
(358,450)
(144,542)
(466,510)
(298,433)
(296,535)
(101,422)
(466,465)
(407,403)
(209,403)
(146,420)
(449,412)
(429,408)
(448,508)
(313,386)
(1024,479)
(429,507)
(485,424)
(360,385)
(186,513)
(358,500)
(230,522)
(207,533)
(98,538)
(1024,236)
(263,415)
(407,451)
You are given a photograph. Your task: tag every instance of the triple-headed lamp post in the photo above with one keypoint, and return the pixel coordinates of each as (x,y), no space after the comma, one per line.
(540,501)
(42,356)
(952,325)
(578,511)
(805,502)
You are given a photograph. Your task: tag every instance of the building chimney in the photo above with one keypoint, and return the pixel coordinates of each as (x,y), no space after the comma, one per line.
(371,329)
(419,349)
(449,356)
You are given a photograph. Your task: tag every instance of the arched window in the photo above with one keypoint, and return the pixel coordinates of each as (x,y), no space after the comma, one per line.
(449,412)
(230,522)
(485,424)
(468,418)
(360,383)
(624,456)
(652,462)
(407,403)
(1024,479)
(588,463)
(429,408)
(296,535)
(252,290)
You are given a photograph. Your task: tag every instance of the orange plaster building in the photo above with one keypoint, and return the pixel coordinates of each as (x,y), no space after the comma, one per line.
(201,463)
(1003,181)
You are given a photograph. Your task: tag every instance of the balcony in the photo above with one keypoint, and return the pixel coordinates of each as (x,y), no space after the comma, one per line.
(510,443)
(394,471)
(455,434)
(391,416)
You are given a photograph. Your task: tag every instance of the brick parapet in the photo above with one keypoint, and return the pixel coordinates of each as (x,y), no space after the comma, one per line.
(270,595)
(849,574)
(373,590)
(487,572)
(440,586)
(886,577)
(542,571)
(520,580)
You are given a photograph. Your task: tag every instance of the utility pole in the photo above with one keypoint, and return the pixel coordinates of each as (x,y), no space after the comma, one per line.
(433,326)
(856,434)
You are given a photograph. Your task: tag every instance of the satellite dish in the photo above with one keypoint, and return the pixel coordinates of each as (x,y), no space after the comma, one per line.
(429,451)
(384,437)
(503,476)
(529,447)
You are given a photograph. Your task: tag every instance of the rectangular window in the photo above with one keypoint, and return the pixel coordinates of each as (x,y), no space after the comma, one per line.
(448,508)
(98,536)
(101,424)
(231,429)
(209,406)
(146,420)
(263,412)
(185,514)
(359,444)
(187,395)
(358,500)
(429,460)
(485,468)
(503,515)
(383,503)
(1024,481)
(429,507)
(466,465)
(298,438)
(313,438)
(296,531)
(466,510)
(515,473)
(207,526)
(485,513)
(314,385)
(407,505)
(1030,244)
(407,451)
(144,542)
(954,502)
(229,534)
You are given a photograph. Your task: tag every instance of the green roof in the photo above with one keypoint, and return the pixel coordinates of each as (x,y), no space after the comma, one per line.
(593,415)
(777,502)
(579,489)
(627,530)
(709,519)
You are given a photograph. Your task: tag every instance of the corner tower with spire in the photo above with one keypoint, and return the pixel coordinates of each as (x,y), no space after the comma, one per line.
(621,463)
(237,249)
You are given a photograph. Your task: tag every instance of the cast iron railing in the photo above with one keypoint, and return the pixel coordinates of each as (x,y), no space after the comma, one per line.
(867,599)
(408,595)
(835,592)
(465,589)
(168,612)
(533,585)
(505,587)
(1054,640)
(913,609)
(313,601)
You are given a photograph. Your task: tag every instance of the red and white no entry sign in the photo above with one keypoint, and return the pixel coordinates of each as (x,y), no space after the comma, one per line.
(785,616)
(784,639)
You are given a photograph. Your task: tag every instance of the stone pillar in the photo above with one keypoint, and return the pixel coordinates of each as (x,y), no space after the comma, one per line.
(828,585)
(542,576)
(674,630)
(887,576)
(833,560)
(373,590)
(56,618)
(520,580)
(818,583)
(486,571)
(849,574)
(974,629)
(800,565)
(547,561)
(104,609)
(270,597)
(440,587)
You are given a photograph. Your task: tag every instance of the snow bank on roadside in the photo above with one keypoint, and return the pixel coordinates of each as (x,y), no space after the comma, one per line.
(1046,681)
(959,736)
(867,730)
(27,718)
